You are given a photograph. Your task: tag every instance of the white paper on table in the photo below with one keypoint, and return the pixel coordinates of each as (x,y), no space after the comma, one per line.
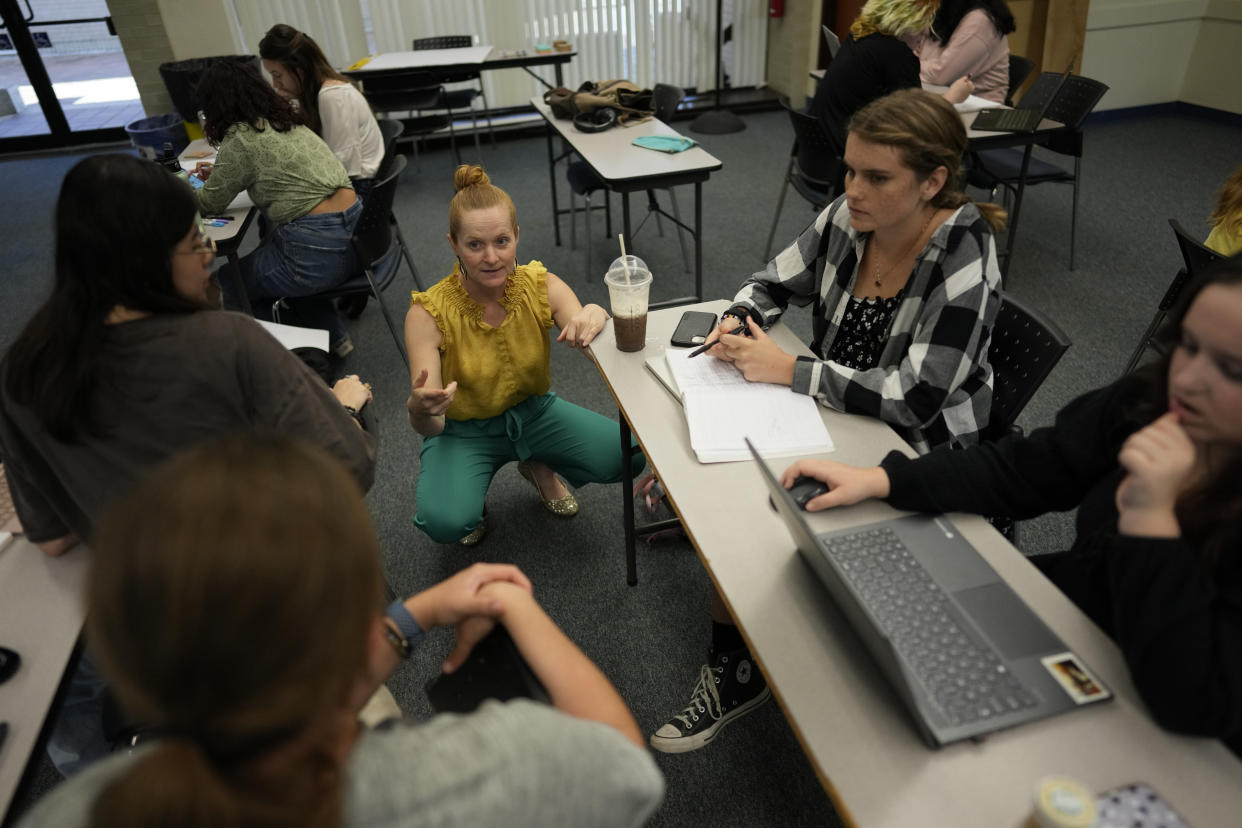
(974,103)
(294,337)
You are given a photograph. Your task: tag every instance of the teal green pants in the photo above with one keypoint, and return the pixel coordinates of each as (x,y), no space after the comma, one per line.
(458,464)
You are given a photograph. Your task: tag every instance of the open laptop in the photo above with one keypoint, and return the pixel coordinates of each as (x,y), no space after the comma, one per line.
(963,651)
(1020,119)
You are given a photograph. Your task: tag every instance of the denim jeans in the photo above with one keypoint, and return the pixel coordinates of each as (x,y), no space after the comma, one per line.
(303,257)
(77,737)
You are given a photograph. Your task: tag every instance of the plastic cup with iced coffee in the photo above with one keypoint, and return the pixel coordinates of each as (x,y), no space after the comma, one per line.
(629,283)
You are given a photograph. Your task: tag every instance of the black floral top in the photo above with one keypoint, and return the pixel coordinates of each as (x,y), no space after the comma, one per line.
(864,331)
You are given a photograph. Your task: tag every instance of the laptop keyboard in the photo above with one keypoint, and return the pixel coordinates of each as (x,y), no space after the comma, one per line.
(963,675)
(1011,119)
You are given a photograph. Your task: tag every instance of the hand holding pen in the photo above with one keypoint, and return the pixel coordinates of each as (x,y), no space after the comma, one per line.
(737,330)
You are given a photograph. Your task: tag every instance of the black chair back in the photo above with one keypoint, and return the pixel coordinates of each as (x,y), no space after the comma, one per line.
(1195,254)
(401,91)
(373,233)
(666,98)
(817,162)
(391,129)
(1075,101)
(443,42)
(1020,69)
(1025,347)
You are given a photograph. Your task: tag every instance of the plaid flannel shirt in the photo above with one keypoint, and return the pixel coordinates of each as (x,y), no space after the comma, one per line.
(933,383)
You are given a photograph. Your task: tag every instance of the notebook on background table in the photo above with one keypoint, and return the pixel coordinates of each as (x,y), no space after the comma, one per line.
(965,654)
(1020,119)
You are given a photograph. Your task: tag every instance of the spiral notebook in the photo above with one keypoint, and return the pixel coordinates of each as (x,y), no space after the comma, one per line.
(723,409)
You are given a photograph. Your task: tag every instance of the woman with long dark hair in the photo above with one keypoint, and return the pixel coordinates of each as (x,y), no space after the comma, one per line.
(967,37)
(126,363)
(242,618)
(265,148)
(1152,465)
(333,108)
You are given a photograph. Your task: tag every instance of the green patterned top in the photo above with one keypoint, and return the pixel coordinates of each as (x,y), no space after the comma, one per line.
(286,173)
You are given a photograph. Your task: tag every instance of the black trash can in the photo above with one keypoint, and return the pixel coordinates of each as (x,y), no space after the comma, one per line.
(181,76)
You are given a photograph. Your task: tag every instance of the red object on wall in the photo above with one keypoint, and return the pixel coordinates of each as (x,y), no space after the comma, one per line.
(776,8)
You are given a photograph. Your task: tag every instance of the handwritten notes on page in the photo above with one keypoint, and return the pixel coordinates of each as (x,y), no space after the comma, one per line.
(723,409)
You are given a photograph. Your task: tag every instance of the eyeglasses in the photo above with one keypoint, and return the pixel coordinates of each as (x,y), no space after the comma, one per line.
(202,244)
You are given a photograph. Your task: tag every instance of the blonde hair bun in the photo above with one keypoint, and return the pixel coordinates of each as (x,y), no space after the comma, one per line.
(470,175)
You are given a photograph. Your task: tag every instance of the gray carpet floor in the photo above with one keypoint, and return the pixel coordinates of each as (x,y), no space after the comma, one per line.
(651,639)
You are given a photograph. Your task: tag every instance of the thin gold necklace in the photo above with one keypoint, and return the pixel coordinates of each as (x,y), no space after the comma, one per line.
(879,277)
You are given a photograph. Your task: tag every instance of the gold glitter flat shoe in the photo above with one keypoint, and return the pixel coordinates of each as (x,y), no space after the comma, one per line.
(566,506)
(476,534)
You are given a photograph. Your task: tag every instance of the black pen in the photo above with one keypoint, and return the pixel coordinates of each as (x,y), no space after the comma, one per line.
(740,330)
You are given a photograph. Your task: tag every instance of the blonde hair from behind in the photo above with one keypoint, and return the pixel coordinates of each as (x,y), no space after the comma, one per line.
(475,191)
(894,17)
(232,597)
(1228,210)
(928,133)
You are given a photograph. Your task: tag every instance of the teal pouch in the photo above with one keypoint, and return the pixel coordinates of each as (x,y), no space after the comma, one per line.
(664,143)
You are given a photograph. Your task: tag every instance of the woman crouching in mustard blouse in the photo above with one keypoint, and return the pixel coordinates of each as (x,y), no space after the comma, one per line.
(479,367)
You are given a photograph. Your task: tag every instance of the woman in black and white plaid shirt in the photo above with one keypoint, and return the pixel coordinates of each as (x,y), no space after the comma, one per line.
(902,270)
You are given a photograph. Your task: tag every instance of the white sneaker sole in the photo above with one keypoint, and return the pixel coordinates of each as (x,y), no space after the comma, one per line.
(685,744)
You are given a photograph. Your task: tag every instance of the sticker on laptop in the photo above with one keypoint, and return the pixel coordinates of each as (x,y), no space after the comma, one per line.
(1077,680)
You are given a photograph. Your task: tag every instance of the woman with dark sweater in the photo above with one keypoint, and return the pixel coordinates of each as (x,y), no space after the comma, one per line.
(1152,464)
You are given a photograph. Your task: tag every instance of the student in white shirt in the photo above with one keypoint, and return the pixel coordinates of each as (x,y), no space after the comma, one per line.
(332,106)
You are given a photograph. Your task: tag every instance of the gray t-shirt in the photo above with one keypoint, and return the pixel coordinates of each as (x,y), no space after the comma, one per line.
(167,382)
(513,764)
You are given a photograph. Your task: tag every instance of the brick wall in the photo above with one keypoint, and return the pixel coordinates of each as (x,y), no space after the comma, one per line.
(140,27)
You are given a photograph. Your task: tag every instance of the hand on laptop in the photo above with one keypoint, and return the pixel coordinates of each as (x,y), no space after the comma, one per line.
(847,485)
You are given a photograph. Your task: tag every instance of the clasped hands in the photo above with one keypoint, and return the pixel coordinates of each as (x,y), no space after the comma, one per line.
(756,355)
(583,326)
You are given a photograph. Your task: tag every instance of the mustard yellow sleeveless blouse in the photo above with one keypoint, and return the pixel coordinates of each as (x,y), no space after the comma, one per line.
(495,367)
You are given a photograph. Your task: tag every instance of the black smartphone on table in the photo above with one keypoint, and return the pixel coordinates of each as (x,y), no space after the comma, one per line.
(693,328)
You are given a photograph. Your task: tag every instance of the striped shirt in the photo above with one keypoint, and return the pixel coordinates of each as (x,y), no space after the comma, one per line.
(933,383)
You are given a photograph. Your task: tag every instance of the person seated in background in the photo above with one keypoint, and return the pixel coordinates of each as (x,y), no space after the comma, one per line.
(967,38)
(331,105)
(1226,220)
(480,374)
(126,364)
(874,61)
(264,148)
(242,618)
(1152,465)
(903,275)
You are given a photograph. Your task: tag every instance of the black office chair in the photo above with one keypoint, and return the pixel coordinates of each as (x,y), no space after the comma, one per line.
(813,166)
(1000,167)
(459,98)
(410,92)
(1020,69)
(1025,347)
(391,130)
(1195,257)
(378,252)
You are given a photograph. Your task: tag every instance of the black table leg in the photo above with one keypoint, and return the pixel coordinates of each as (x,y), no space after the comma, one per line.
(1017,208)
(627,503)
(556,210)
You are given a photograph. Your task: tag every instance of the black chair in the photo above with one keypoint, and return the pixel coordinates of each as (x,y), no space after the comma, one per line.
(813,166)
(391,130)
(459,98)
(1196,257)
(1025,347)
(410,92)
(1001,167)
(378,253)
(1020,69)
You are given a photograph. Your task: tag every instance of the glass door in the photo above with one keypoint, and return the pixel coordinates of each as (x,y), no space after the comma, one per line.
(64,79)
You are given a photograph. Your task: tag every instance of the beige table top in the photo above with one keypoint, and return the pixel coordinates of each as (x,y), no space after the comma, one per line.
(42,606)
(851,724)
(612,155)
